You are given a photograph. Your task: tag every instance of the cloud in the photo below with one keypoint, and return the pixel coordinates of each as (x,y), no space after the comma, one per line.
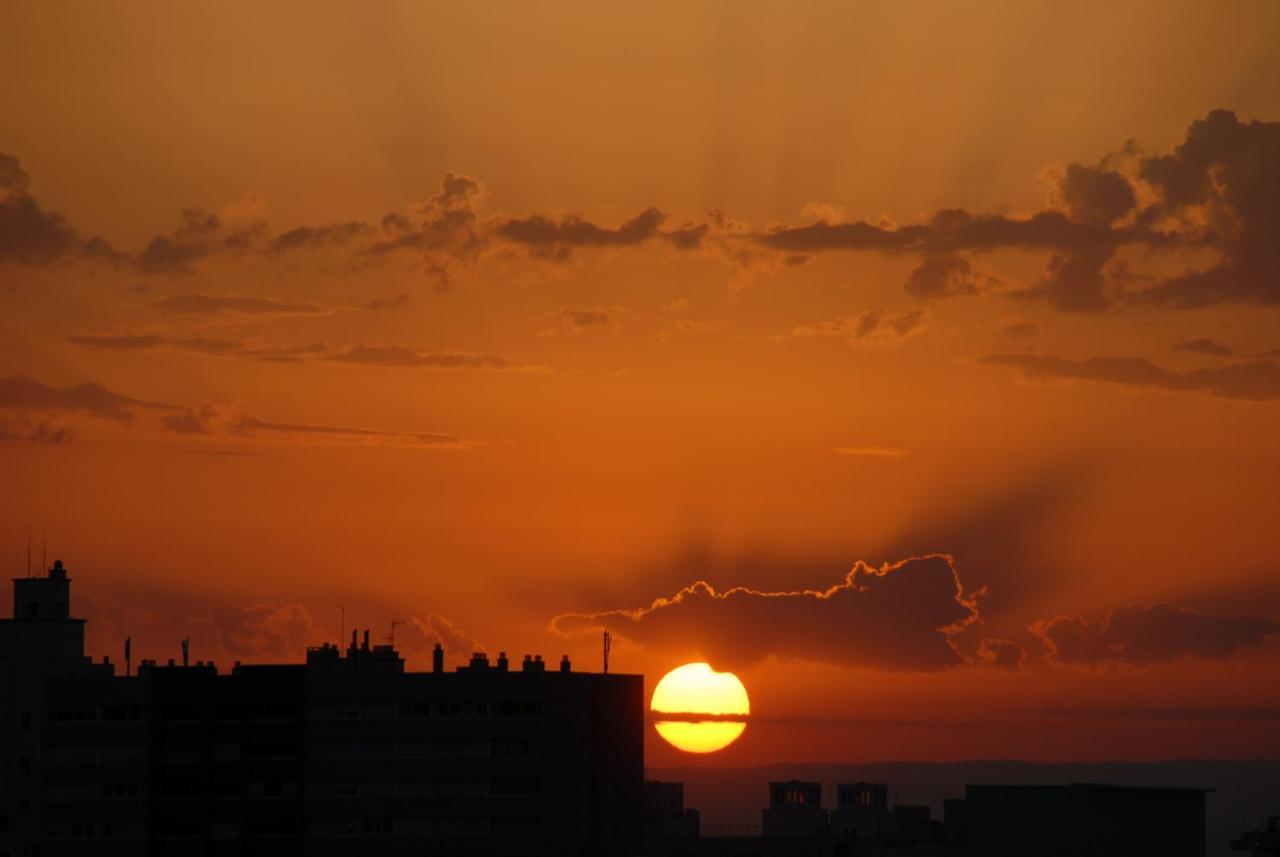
(1255,380)
(403,356)
(199,304)
(262,630)
(1218,189)
(198,236)
(1001,654)
(870,327)
(1095,194)
(419,636)
(391,356)
(900,616)
(33,235)
(579,318)
(312,237)
(1225,175)
(302,433)
(553,238)
(1203,346)
(1139,635)
(942,275)
(20,393)
(203,345)
(26,399)
(445,229)
(22,430)
(1073,280)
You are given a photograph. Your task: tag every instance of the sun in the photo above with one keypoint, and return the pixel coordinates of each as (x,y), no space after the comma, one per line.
(705,710)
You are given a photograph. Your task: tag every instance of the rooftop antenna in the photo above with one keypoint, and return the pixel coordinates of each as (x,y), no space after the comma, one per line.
(343,622)
(391,638)
(128,656)
(608,644)
(186,651)
(44,550)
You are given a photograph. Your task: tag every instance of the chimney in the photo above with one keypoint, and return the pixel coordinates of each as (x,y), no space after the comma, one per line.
(437,659)
(354,634)
(364,643)
(564,664)
(502,661)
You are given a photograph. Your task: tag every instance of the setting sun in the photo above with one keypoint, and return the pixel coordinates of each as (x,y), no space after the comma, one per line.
(694,690)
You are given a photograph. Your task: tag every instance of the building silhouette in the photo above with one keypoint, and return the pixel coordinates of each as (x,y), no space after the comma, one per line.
(346,754)
(1083,818)
(990,821)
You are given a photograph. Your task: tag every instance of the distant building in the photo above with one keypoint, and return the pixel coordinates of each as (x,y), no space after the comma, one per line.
(346,754)
(795,811)
(670,828)
(1082,818)
(862,813)
(1264,842)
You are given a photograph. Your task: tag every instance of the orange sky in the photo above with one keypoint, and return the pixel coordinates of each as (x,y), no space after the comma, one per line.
(480,317)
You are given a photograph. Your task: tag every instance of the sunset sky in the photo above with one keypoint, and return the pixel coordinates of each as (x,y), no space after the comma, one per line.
(940,340)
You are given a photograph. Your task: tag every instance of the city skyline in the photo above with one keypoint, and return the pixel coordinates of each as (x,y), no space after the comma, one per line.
(920,366)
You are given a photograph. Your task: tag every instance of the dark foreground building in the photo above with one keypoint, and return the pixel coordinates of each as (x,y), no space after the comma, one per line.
(1085,818)
(347,754)
(1075,820)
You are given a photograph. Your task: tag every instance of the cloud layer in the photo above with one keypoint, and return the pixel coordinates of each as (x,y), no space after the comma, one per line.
(896,617)
(1139,635)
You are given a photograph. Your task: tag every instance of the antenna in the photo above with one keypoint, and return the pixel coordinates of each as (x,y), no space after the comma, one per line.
(128,655)
(44,550)
(343,625)
(391,638)
(28,550)
(608,644)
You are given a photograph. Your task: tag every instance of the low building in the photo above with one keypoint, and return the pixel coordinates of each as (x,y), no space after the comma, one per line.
(670,828)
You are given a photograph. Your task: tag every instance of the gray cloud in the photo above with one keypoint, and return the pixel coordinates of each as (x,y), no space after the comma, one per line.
(262,630)
(557,238)
(33,235)
(20,393)
(1139,635)
(942,275)
(1255,380)
(869,327)
(896,617)
(302,432)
